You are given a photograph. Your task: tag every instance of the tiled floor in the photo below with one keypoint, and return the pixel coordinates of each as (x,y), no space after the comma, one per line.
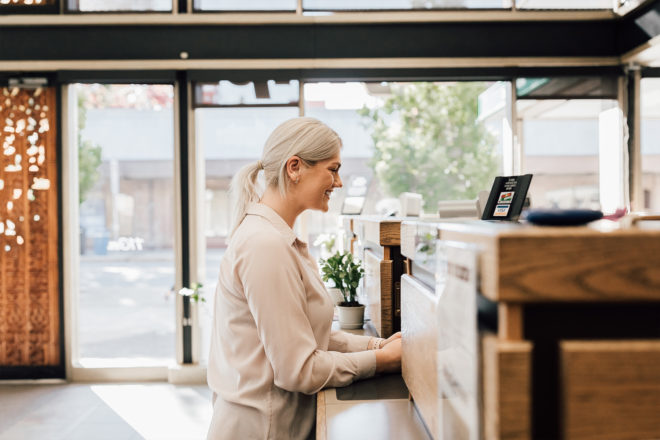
(104,411)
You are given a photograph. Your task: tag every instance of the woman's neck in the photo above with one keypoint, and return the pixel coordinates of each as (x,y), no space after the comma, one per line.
(281,205)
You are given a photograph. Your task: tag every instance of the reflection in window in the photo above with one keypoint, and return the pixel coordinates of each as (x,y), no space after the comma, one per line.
(119,5)
(567,87)
(357,5)
(560,142)
(245,5)
(564,4)
(650,138)
(248,93)
(126,150)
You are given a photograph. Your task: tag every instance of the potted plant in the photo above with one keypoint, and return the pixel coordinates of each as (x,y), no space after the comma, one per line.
(346,273)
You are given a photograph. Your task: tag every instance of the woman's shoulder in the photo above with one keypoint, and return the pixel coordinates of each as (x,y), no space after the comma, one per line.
(257,234)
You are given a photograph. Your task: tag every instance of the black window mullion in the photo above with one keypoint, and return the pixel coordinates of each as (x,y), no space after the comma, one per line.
(182,82)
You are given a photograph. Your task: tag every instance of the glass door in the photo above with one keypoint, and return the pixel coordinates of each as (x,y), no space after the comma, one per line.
(125,309)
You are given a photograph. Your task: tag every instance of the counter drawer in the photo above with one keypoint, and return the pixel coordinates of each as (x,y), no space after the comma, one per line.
(610,389)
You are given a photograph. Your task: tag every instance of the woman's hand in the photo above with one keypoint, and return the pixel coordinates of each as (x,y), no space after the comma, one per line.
(396,335)
(388,359)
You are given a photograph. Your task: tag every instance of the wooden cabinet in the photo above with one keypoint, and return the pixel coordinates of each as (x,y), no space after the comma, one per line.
(378,246)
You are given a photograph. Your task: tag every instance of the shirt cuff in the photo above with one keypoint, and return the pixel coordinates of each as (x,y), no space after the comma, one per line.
(366,363)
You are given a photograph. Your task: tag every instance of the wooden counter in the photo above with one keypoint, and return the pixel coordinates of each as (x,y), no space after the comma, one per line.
(575,345)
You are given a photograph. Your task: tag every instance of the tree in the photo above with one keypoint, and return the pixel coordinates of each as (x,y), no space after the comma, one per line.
(89,156)
(427,140)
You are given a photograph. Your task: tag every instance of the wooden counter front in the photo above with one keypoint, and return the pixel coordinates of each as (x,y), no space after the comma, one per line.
(603,263)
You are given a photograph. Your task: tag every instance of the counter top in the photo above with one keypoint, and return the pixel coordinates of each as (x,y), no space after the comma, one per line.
(602,262)
(374,408)
(384,413)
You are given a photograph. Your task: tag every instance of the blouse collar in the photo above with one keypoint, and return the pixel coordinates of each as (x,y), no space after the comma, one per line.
(274,218)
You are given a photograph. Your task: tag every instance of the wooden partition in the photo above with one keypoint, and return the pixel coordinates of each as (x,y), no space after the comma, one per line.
(379,248)
(29,266)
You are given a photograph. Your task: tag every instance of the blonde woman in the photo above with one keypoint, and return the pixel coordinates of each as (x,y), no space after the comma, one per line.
(272,346)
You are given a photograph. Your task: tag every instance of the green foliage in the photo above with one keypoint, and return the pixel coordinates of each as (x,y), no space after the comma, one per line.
(327,241)
(197,295)
(194,292)
(427,140)
(89,157)
(346,273)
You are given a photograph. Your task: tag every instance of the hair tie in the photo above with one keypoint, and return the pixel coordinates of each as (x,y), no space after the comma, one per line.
(260,166)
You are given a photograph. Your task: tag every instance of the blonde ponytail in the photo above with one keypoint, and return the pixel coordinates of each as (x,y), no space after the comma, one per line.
(243,190)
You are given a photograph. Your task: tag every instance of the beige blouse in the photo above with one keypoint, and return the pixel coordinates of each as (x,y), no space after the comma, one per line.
(272,347)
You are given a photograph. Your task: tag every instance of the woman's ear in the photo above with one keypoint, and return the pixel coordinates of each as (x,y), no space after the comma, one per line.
(293,166)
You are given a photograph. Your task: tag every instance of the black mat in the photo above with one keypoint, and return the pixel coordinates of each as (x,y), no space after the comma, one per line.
(387,386)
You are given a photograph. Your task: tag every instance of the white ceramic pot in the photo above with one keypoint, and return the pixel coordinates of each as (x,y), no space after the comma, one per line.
(335,295)
(351,317)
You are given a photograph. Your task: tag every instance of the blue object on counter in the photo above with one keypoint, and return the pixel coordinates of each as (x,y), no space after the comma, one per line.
(561,217)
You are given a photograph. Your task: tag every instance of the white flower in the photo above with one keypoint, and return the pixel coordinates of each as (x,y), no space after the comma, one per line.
(186,291)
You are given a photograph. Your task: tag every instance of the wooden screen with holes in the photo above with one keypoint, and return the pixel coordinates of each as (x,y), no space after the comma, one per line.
(29,278)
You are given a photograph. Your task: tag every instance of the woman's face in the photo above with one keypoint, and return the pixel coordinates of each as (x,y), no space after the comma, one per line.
(317,182)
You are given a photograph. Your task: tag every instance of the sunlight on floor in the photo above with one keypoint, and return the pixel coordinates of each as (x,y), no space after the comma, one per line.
(159,412)
(154,411)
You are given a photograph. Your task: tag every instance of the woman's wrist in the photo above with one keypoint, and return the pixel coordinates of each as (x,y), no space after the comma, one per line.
(375,343)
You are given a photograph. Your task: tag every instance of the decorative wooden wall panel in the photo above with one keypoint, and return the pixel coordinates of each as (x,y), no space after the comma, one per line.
(29,278)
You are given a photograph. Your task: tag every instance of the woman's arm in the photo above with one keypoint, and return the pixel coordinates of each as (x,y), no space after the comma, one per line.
(276,297)
(349,343)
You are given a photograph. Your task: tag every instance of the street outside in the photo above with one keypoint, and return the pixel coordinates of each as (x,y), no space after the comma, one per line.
(127,307)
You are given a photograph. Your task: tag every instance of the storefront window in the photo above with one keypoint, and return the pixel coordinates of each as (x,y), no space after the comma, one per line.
(650,138)
(357,5)
(427,138)
(564,4)
(560,141)
(245,5)
(119,5)
(563,125)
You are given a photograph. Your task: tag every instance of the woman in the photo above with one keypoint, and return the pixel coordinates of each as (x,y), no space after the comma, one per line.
(272,346)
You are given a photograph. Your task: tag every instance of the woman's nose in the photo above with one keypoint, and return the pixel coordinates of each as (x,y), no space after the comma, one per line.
(337,182)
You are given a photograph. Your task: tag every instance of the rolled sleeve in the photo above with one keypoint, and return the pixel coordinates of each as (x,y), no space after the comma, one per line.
(348,342)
